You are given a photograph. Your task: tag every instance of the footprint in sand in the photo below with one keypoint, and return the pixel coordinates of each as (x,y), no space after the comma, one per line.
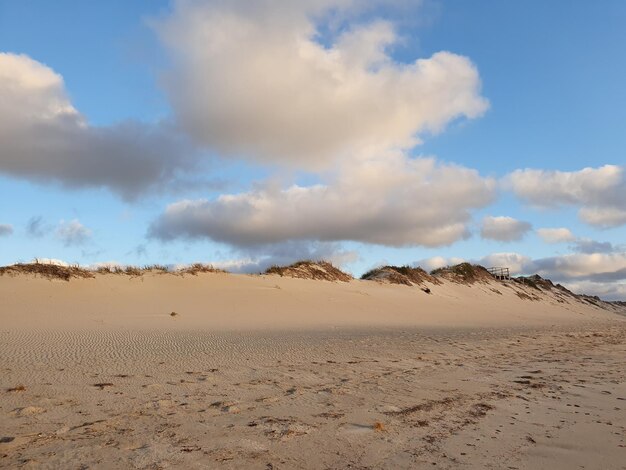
(160,404)
(226,406)
(152,386)
(28,411)
(283,428)
(267,400)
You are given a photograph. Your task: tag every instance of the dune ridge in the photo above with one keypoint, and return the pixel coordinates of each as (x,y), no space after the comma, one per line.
(525,287)
(400,275)
(319,270)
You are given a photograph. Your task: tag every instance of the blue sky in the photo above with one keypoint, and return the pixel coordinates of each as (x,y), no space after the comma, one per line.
(529,85)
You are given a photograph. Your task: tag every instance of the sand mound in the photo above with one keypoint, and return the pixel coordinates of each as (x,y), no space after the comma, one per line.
(132,270)
(50,271)
(560,293)
(320,270)
(464,273)
(198,268)
(55,271)
(537,282)
(193,269)
(400,275)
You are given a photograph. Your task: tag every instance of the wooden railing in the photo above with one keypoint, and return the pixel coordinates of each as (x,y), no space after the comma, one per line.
(500,273)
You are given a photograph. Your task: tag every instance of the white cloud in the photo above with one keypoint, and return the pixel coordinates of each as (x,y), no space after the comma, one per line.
(604,290)
(579,245)
(556,235)
(258,259)
(436,262)
(503,229)
(252,79)
(73,233)
(6,230)
(518,264)
(606,217)
(594,266)
(392,201)
(600,192)
(44,138)
(106,264)
(53,261)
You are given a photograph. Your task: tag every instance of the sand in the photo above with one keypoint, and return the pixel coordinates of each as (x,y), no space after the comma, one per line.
(272,372)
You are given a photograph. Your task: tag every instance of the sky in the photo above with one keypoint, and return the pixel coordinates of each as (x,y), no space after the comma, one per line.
(251,133)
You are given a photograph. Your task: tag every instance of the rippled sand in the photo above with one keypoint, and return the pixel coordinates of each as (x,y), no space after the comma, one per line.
(85,389)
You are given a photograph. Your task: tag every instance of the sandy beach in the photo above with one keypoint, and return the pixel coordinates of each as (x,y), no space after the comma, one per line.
(274,372)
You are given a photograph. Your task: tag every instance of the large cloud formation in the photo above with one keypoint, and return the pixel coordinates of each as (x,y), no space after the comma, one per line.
(396,202)
(599,192)
(44,138)
(253,79)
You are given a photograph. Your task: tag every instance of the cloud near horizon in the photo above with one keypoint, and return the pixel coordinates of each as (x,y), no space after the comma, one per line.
(436,262)
(73,233)
(258,259)
(600,193)
(394,202)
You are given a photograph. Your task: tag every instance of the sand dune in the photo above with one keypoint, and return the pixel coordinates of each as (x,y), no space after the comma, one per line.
(278,372)
(221,301)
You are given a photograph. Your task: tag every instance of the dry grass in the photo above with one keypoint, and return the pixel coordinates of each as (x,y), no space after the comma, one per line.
(400,275)
(53,271)
(50,271)
(197,268)
(319,270)
(161,268)
(464,273)
(104,270)
(537,282)
(133,270)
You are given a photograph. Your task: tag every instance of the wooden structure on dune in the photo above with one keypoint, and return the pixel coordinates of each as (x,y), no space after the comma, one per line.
(501,273)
